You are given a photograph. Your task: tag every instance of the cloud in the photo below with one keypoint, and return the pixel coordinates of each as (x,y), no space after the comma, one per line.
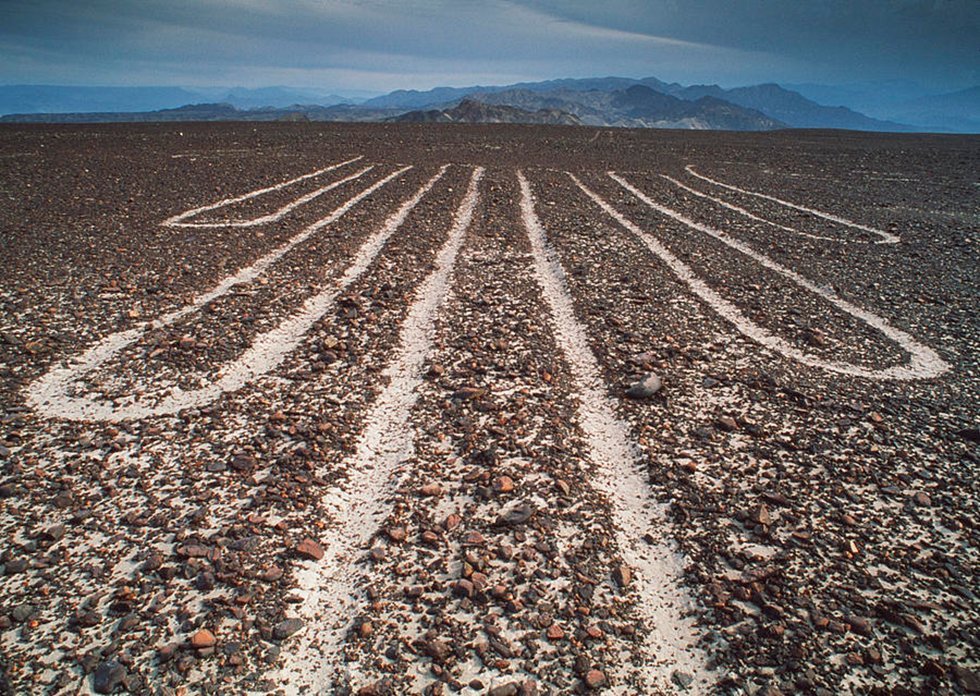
(398,43)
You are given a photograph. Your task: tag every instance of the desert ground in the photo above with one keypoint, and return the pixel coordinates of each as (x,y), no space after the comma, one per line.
(385,409)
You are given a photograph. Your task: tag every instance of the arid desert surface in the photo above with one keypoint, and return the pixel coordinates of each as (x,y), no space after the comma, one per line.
(386,409)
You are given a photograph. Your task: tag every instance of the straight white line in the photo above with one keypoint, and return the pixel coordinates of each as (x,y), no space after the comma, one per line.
(662,602)
(924,363)
(176,220)
(360,507)
(748,214)
(886,238)
(50,394)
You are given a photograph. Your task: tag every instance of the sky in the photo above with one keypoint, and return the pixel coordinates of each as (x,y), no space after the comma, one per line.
(381,45)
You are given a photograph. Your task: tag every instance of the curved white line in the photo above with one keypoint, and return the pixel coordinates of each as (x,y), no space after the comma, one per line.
(748,214)
(176,220)
(360,507)
(670,637)
(924,363)
(50,393)
(886,238)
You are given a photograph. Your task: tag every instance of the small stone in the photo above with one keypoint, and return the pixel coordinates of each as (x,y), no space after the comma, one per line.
(515,516)
(167,652)
(860,625)
(108,676)
(463,588)
(760,515)
(777,499)
(397,534)
(555,632)
(469,393)
(622,575)
(437,649)
(646,387)
(682,679)
(509,689)
(244,463)
(271,574)
(503,484)
(15,565)
(431,490)
(286,628)
(922,499)
(728,424)
(968,678)
(451,522)
(54,533)
(595,678)
(473,539)
(22,612)
(309,549)
(365,629)
(203,639)
(87,619)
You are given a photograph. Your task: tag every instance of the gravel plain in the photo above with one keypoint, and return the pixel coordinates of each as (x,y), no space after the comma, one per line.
(506,410)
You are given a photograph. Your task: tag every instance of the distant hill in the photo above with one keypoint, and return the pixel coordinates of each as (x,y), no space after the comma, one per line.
(590,100)
(903,101)
(791,108)
(214,112)
(636,106)
(54,99)
(601,101)
(472,111)
(956,111)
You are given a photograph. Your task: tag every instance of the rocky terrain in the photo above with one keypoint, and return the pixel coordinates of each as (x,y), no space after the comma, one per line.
(391,408)
(611,101)
(475,111)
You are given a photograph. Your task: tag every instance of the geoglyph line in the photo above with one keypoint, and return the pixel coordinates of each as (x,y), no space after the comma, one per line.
(177,220)
(51,393)
(360,507)
(923,362)
(669,636)
(748,214)
(886,238)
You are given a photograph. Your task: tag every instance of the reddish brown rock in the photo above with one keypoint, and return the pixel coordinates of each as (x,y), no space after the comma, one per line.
(203,639)
(309,549)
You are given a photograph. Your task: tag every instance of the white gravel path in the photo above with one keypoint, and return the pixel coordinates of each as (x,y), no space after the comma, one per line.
(178,220)
(358,509)
(661,600)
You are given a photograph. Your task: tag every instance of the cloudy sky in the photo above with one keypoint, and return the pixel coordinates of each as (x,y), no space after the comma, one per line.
(381,45)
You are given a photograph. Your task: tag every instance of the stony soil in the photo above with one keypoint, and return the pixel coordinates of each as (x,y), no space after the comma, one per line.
(812,531)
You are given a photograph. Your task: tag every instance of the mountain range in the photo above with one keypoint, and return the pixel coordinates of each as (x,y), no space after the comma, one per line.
(609,101)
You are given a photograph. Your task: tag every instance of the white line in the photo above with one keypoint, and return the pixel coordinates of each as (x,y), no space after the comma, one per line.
(886,238)
(359,509)
(748,214)
(50,394)
(924,362)
(670,637)
(176,220)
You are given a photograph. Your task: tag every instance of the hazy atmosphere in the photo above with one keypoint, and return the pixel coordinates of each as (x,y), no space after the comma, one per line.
(379,45)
